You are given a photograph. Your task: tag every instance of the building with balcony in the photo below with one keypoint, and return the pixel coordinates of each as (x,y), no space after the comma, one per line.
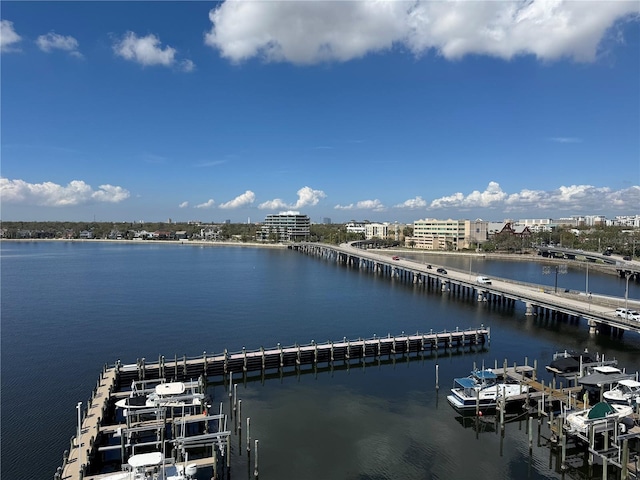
(433,234)
(285,227)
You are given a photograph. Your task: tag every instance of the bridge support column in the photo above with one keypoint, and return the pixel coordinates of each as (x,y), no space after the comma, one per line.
(529,309)
(593,327)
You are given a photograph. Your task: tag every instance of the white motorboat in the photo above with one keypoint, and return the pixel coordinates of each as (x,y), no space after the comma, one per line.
(600,416)
(152,466)
(483,390)
(170,394)
(625,392)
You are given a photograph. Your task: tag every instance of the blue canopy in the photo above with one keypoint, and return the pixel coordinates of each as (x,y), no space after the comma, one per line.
(466,382)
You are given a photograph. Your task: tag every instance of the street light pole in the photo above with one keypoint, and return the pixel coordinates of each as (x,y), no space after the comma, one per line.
(78,407)
(626,297)
(587,286)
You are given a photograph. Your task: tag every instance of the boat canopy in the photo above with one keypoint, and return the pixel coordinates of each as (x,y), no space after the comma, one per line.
(629,383)
(146,459)
(600,410)
(466,382)
(606,369)
(172,388)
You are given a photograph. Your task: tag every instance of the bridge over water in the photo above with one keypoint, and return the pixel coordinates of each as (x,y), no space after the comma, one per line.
(615,262)
(599,312)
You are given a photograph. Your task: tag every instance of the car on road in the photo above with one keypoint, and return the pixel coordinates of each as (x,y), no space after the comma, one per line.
(626,258)
(442,271)
(627,313)
(395,257)
(483,280)
(429,267)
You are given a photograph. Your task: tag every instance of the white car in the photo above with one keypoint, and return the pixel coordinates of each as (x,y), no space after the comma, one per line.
(627,313)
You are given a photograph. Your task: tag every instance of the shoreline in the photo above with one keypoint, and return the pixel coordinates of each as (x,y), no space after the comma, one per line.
(529,257)
(199,243)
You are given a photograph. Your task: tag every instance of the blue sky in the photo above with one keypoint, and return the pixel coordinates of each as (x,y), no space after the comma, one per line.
(382,111)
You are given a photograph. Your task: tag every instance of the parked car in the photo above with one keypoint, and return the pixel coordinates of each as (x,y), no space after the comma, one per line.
(441,270)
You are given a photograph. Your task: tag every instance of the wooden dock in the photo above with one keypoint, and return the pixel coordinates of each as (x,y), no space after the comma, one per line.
(96,421)
(296,356)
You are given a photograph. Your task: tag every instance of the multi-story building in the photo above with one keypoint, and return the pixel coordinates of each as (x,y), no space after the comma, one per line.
(376,230)
(285,227)
(432,234)
(354,227)
(627,221)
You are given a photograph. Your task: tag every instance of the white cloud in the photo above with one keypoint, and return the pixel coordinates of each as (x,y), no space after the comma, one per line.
(306,197)
(53,41)
(183,205)
(307,32)
(274,204)
(492,196)
(569,198)
(50,194)
(8,37)
(246,198)
(375,205)
(412,203)
(566,139)
(208,204)
(187,66)
(148,51)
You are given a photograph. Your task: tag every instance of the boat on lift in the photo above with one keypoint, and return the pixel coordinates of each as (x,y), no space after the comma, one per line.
(169,394)
(483,390)
(625,392)
(600,416)
(153,466)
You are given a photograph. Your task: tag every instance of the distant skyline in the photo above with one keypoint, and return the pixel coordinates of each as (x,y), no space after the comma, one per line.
(381,111)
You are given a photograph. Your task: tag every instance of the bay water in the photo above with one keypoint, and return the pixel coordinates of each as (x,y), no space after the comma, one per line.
(68,308)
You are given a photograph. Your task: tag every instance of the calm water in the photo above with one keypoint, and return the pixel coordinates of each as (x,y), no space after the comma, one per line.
(69,308)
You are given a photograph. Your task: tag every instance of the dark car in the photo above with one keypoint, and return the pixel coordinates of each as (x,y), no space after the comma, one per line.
(442,270)
(627,258)
(429,267)
(395,257)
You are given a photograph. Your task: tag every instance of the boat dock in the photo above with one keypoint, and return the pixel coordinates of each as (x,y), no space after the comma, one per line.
(199,435)
(313,353)
(607,442)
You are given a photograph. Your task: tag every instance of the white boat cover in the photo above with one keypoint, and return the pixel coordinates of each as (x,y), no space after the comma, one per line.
(146,459)
(172,388)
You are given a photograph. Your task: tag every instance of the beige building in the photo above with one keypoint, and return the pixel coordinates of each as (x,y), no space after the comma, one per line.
(433,234)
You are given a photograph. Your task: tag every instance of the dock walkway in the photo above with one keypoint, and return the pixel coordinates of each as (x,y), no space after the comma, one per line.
(117,381)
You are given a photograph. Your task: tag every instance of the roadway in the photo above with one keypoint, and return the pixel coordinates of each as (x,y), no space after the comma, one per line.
(615,261)
(595,309)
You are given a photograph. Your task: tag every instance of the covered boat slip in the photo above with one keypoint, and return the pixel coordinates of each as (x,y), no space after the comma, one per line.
(604,376)
(572,365)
